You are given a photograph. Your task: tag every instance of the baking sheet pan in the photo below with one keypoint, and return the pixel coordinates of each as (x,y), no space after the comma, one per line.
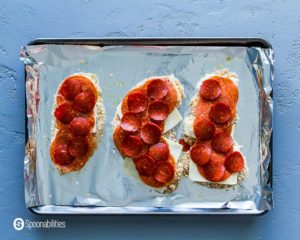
(198,208)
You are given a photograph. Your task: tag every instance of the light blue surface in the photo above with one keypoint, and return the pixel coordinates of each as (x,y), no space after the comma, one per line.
(276,21)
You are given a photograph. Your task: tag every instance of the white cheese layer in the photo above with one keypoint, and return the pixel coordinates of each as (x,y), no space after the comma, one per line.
(194,174)
(175,151)
(189,121)
(188,126)
(172,120)
(175,116)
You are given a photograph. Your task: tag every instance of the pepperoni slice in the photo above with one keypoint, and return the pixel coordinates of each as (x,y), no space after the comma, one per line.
(200,154)
(220,113)
(234,162)
(84,102)
(70,88)
(137,102)
(158,110)
(222,142)
(159,151)
(157,89)
(150,133)
(164,172)
(217,157)
(204,129)
(62,156)
(81,126)
(145,165)
(131,146)
(214,171)
(65,113)
(78,147)
(130,122)
(210,90)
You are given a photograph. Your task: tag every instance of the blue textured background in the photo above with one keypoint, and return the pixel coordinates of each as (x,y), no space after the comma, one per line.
(277,21)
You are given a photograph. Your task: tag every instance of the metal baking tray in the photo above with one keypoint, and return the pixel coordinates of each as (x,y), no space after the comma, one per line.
(209,42)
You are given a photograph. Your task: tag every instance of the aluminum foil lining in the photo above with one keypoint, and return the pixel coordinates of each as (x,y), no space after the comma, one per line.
(103,182)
